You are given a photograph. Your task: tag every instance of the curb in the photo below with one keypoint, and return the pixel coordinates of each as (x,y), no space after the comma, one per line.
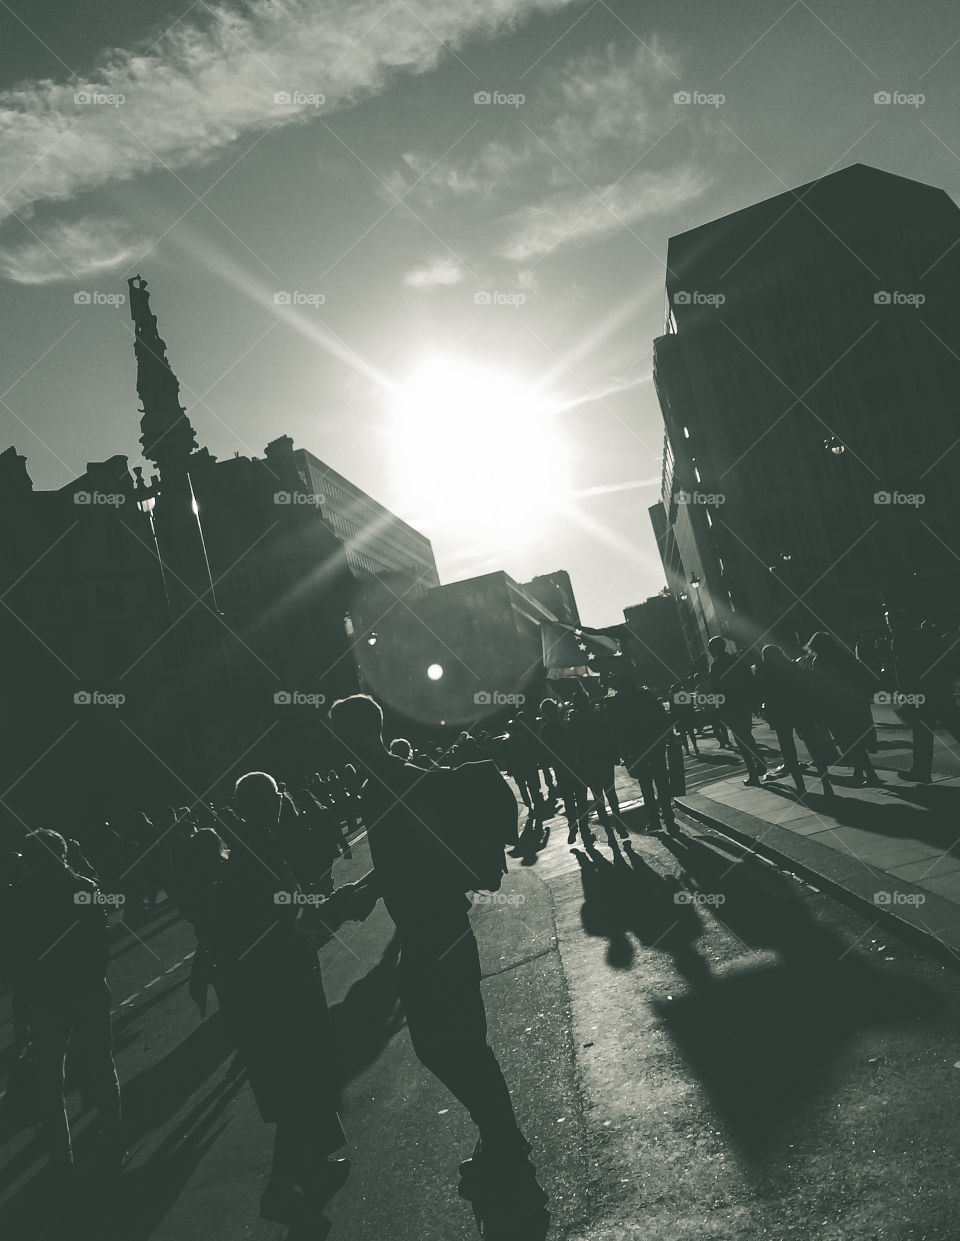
(937,931)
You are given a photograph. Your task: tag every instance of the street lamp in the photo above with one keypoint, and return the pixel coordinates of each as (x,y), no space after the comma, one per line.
(146,498)
(836,446)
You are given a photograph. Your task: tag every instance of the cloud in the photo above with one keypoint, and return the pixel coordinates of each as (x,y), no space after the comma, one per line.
(207,82)
(578,218)
(63,250)
(585,157)
(439,273)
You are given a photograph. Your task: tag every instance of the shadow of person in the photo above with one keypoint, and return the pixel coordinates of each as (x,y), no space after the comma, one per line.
(626,898)
(533,840)
(369,1015)
(764,1039)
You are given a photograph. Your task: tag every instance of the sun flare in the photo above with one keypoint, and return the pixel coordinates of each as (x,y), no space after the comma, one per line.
(477,451)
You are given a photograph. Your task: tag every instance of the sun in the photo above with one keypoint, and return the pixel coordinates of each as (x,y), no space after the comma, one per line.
(476,451)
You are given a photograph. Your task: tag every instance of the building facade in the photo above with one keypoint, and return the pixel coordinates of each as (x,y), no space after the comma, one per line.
(808,378)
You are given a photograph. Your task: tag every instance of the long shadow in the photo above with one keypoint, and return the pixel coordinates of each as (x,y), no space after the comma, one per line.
(627,897)
(764,1040)
(927,812)
(131,1209)
(369,1015)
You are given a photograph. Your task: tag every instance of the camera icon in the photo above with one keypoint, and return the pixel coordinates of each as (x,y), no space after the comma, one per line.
(882,497)
(81,497)
(282,299)
(883,698)
(82,698)
(683,697)
(282,898)
(82,898)
(482,698)
(283,698)
(82,298)
(282,96)
(681,299)
(683,898)
(81,96)
(682,96)
(282,497)
(882,299)
(483,298)
(881,898)
(482,96)
(683,497)
(882,96)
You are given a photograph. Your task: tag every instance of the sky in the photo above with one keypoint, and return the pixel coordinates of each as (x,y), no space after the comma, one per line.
(426,240)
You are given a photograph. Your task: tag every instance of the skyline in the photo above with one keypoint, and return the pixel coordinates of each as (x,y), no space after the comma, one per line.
(554,211)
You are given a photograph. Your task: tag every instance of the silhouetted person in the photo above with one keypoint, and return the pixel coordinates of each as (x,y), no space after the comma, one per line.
(60,949)
(732,684)
(439,968)
(557,740)
(595,754)
(683,713)
(923,665)
(845,688)
(271,992)
(643,728)
(785,695)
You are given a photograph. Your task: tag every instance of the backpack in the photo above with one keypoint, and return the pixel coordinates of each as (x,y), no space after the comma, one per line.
(475,817)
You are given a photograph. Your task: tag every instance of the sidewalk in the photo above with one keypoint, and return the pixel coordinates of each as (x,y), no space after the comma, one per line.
(896,848)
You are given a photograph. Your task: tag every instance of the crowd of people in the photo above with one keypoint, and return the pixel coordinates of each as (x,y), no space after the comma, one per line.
(255,877)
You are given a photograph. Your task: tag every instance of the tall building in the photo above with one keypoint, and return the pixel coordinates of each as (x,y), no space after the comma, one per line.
(653,641)
(555,592)
(808,379)
(375,540)
(463,652)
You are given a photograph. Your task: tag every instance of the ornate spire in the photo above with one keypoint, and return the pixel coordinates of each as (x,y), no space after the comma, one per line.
(167,436)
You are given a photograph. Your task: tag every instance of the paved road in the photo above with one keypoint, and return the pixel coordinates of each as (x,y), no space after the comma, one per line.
(752,1060)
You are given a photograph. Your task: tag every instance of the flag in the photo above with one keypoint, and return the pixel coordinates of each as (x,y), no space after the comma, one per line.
(574,651)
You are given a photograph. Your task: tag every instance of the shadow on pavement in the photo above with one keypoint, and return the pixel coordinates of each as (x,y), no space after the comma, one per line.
(762,1041)
(626,896)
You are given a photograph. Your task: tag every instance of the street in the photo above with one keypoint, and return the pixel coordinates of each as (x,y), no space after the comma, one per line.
(699,1046)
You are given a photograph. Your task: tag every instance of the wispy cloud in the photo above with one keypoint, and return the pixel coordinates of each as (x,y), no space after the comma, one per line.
(215,77)
(440,273)
(69,250)
(583,158)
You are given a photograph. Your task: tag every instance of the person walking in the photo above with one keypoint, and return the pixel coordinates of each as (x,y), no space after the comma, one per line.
(845,687)
(269,985)
(785,702)
(439,968)
(642,729)
(924,669)
(58,942)
(558,743)
(734,692)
